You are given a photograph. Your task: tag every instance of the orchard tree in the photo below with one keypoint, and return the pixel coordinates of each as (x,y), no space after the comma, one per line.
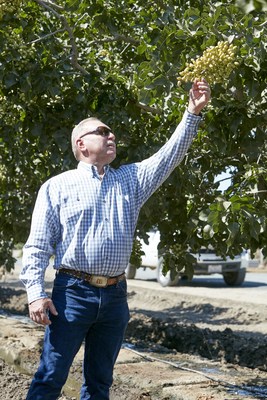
(62,61)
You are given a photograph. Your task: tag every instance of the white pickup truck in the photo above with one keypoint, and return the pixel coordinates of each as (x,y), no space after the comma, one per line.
(207,263)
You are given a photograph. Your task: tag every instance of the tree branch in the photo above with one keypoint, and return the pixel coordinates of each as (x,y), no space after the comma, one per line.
(117,38)
(146,108)
(54,5)
(46,36)
(74,53)
(50,6)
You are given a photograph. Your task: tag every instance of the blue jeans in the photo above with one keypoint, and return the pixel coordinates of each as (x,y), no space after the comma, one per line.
(96,316)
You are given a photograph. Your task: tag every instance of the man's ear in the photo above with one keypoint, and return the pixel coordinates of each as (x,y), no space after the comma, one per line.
(80,144)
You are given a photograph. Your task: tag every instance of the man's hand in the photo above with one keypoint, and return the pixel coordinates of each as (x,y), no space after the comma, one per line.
(199,96)
(38,310)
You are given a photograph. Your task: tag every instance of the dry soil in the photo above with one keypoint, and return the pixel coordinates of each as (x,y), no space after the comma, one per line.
(177,346)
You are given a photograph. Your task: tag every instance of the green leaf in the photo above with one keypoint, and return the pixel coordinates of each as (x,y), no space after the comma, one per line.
(11,79)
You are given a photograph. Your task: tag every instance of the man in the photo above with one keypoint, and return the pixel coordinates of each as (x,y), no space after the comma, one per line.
(87,218)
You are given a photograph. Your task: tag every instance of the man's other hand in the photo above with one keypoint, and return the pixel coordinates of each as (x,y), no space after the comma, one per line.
(38,310)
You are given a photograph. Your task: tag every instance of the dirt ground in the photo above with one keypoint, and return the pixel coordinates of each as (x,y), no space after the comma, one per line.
(176,347)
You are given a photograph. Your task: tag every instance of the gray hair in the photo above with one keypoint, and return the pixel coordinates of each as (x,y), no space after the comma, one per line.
(77,132)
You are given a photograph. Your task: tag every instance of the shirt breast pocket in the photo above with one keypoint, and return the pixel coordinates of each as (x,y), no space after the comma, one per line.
(73,210)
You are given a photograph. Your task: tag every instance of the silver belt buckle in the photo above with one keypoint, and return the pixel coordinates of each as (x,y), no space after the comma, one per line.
(99,281)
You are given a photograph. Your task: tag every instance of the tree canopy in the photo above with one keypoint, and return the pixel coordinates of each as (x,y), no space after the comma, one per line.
(63,61)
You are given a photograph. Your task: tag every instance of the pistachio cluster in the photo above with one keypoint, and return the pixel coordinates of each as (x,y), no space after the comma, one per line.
(215,64)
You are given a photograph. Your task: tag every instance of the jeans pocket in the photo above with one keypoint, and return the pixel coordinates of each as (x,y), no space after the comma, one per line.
(65,281)
(122,288)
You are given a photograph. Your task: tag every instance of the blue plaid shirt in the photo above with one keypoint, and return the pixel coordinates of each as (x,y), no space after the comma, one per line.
(89,223)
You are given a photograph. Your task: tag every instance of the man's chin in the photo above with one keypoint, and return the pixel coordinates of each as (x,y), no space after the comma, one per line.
(111,156)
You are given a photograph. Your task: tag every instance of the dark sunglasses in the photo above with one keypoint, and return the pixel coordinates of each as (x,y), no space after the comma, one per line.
(100,130)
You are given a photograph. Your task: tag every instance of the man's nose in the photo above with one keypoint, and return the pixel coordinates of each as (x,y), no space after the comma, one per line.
(112,136)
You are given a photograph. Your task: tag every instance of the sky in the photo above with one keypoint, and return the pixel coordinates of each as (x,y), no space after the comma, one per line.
(226,183)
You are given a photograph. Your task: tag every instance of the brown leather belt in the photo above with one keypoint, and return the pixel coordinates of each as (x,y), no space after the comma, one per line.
(94,280)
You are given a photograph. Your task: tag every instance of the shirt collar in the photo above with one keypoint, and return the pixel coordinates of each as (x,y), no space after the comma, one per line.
(91,168)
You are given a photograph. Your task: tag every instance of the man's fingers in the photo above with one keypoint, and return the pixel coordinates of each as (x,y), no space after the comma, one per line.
(39,311)
(52,309)
(40,317)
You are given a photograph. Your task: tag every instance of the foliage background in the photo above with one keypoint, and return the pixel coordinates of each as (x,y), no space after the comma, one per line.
(63,61)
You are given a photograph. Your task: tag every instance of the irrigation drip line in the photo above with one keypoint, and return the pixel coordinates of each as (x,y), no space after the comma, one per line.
(175,365)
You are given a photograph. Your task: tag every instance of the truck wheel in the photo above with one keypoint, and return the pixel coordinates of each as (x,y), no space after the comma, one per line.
(168,279)
(130,271)
(235,278)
